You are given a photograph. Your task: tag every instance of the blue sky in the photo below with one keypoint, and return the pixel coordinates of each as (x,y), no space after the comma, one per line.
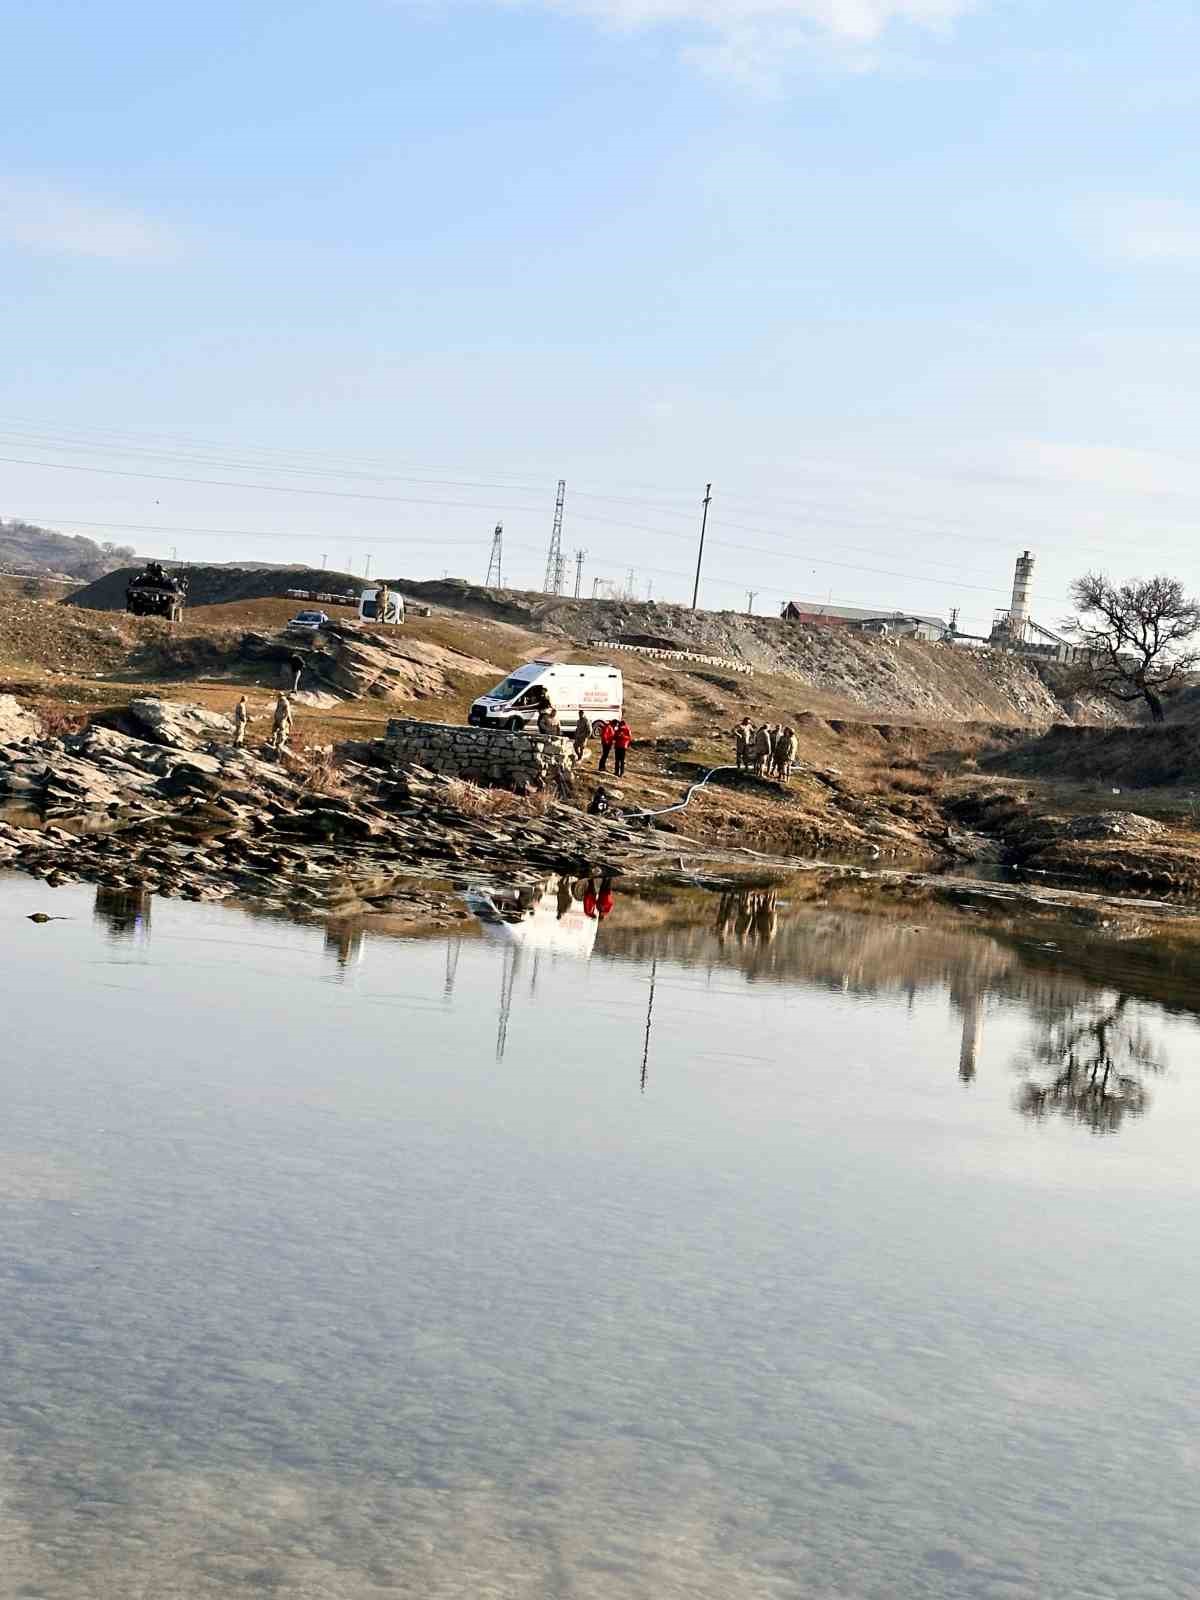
(912,282)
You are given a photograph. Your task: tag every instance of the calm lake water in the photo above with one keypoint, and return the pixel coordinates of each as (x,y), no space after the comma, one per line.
(723,1248)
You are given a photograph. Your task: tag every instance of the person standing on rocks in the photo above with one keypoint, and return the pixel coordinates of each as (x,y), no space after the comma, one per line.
(622,739)
(607,734)
(296,668)
(241,716)
(743,742)
(785,753)
(281,723)
(583,732)
(764,750)
(548,723)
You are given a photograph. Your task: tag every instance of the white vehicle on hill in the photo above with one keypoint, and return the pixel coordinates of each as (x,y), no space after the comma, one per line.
(372,601)
(598,692)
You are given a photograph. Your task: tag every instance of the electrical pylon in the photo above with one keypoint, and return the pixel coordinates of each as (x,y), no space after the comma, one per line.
(495,561)
(553,581)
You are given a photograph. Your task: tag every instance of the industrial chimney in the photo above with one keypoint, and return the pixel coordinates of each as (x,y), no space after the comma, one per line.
(1018,615)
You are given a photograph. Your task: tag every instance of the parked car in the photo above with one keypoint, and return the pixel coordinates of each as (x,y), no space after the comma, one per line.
(307,622)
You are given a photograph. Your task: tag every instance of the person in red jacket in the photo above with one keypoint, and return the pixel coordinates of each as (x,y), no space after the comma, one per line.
(622,739)
(607,731)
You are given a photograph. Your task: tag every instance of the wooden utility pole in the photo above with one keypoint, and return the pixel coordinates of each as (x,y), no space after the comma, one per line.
(700,552)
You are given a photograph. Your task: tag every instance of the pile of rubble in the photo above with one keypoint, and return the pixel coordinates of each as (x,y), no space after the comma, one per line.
(173,808)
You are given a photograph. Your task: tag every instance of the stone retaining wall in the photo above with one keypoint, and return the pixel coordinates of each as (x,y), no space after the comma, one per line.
(488,756)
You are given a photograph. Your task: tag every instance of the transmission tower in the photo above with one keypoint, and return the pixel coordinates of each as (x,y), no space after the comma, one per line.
(553,582)
(495,560)
(580,558)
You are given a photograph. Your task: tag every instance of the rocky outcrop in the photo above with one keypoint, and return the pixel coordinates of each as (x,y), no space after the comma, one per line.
(181,726)
(218,822)
(15,721)
(392,667)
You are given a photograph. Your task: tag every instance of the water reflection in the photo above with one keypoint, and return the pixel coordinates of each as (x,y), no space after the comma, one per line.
(124,913)
(748,916)
(1091,1054)
(1099,1055)
(345,942)
(317,1300)
(557,917)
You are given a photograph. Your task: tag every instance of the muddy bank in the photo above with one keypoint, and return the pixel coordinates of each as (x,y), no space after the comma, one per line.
(1117,848)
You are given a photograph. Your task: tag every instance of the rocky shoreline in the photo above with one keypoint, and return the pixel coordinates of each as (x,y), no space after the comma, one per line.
(173,808)
(158,800)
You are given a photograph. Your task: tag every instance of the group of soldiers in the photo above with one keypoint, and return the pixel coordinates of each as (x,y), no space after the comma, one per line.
(281,722)
(769,751)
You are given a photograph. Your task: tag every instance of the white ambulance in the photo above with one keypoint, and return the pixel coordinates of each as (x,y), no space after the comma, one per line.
(514,704)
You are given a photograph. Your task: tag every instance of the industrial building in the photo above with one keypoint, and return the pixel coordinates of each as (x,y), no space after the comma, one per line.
(1014,630)
(860,619)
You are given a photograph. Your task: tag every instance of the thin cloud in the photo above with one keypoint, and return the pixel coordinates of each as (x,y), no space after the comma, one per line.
(748,40)
(53,221)
(1154,231)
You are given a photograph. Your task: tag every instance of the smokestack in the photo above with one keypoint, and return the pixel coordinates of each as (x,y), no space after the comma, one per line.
(1018,615)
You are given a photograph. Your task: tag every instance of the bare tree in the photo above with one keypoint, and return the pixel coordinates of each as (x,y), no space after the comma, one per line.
(1100,1056)
(1136,636)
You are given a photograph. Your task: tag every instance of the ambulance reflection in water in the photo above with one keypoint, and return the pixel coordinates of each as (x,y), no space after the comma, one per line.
(557,917)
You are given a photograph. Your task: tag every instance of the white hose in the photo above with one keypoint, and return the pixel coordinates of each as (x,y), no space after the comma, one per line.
(633,816)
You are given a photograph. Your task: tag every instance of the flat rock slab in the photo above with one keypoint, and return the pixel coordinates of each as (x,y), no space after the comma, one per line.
(181,726)
(15,721)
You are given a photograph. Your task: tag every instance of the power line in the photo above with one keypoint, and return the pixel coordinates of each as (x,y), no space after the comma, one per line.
(418,543)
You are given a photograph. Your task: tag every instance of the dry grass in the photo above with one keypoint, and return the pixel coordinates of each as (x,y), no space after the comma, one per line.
(57,720)
(915,781)
(315,767)
(473,801)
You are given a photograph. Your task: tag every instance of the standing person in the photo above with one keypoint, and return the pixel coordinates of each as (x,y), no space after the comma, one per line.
(607,734)
(241,716)
(776,741)
(622,739)
(548,722)
(785,753)
(281,723)
(296,668)
(763,750)
(743,741)
(382,600)
(583,732)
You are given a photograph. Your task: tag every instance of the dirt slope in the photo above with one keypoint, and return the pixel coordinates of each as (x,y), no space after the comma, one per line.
(892,678)
(1132,757)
